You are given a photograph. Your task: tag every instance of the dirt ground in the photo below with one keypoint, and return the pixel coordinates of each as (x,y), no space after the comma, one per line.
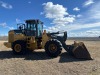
(38,63)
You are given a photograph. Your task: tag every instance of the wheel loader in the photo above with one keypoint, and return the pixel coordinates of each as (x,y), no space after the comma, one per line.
(30,36)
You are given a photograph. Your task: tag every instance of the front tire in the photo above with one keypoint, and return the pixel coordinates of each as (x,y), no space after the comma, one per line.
(53,48)
(19,47)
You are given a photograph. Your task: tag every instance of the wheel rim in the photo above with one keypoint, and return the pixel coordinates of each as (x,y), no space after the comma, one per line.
(17,48)
(52,48)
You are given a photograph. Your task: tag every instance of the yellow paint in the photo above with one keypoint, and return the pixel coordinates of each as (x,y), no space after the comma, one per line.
(32,44)
(11,36)
(31,41)
(17,47)
(19,37)
(45,38)
(7,44)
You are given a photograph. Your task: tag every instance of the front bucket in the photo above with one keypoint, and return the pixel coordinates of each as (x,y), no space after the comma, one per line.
(80,51)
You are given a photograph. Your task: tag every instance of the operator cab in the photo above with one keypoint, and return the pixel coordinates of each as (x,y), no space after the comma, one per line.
(32,28)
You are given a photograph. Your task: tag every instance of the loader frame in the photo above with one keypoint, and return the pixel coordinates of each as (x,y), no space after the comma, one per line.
(30,36)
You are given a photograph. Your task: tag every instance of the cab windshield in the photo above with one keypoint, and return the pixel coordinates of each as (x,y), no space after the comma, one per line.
(31,26)
(34,28)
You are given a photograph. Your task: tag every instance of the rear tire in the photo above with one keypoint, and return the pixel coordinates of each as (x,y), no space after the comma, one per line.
(19,47)
(53,48)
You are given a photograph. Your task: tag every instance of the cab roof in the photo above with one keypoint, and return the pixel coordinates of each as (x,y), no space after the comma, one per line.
(33,21)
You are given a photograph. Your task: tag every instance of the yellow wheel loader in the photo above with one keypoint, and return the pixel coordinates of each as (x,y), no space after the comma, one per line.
(30,36)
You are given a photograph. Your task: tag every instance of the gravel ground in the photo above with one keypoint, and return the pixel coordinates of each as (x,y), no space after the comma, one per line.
(38,63)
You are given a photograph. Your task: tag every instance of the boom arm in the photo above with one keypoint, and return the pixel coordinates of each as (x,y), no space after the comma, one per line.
(56,35)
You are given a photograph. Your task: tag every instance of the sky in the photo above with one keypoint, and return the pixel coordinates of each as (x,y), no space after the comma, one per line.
(80,18)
